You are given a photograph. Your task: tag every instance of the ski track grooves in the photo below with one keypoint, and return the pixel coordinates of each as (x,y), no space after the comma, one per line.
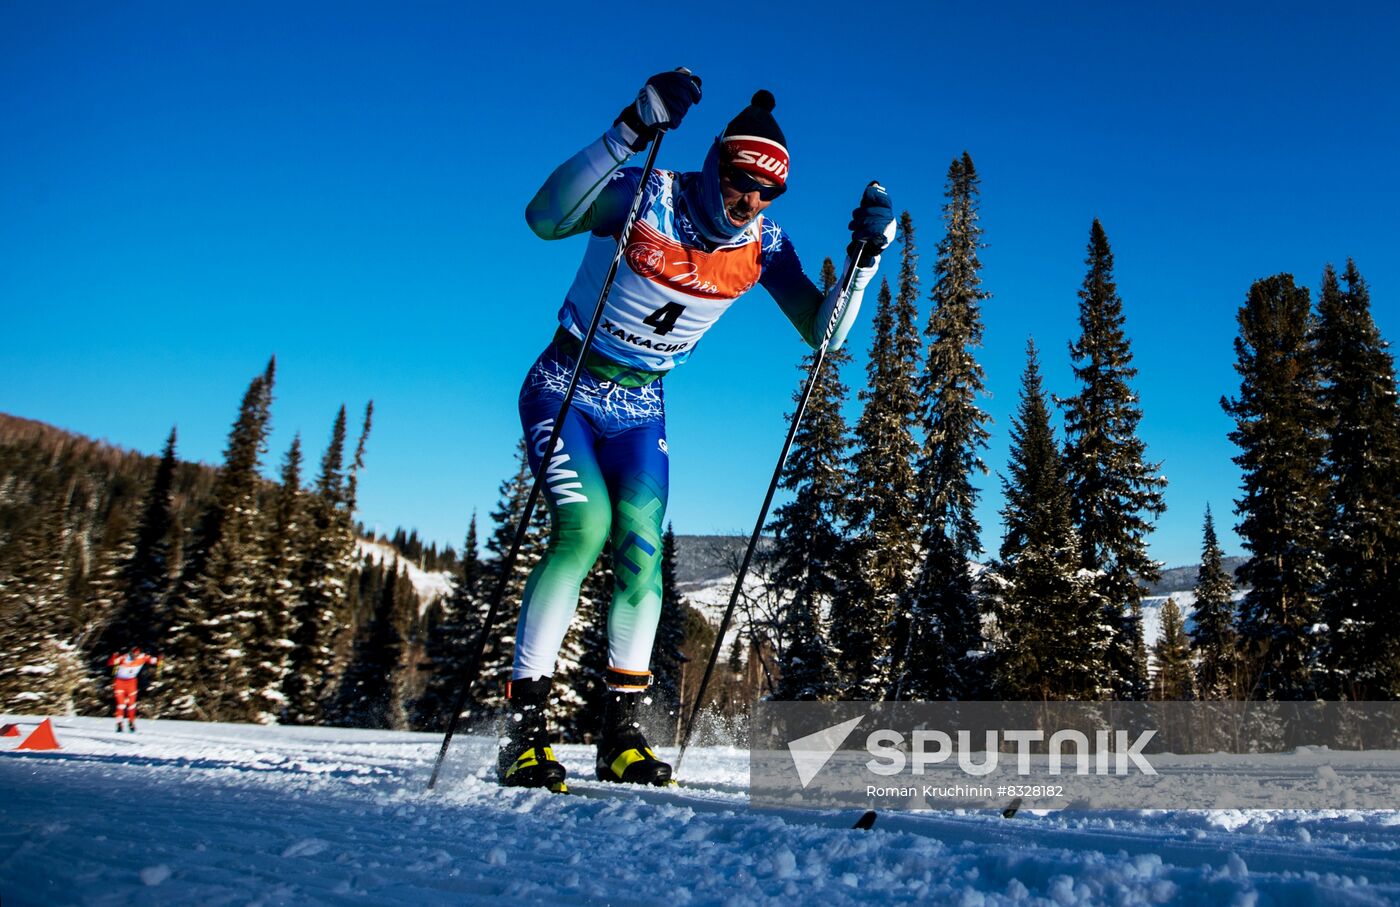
(1210,849)
(188,813)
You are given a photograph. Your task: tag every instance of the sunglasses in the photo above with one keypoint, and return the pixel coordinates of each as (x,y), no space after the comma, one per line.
(745,182)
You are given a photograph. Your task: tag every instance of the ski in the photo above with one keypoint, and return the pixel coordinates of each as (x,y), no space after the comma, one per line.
(712,800)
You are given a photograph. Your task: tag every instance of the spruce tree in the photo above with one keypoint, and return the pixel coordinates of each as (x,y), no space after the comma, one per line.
(1114,491)
(1213,637)
(370,694)
(946,624)
(205,675)
(1174,679)
(144,576)
(808,544)
(807,557)
(327,556)
(450,636)
(1362,555)
(668,661)
(269,646)
(883,510)
(1279,431)
(1049,640)
(357,461)
(42,670)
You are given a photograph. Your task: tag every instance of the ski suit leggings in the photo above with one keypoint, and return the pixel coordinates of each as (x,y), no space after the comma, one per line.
(125,692)
(607,481)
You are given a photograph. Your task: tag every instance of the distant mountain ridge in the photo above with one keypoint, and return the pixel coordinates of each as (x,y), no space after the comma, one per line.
(704,559)
(1183,579)
(707,558)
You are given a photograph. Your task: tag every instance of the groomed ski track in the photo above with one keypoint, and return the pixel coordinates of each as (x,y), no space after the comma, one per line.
(232,814)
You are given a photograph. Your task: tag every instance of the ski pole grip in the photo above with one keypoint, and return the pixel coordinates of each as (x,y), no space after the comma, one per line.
(661,129)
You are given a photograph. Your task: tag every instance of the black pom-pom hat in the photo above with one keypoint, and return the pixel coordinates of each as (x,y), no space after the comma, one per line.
(753,141)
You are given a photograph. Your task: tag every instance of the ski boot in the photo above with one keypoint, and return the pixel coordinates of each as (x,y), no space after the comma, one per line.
(119,727)
(525,758)
(131,725)
(623,753)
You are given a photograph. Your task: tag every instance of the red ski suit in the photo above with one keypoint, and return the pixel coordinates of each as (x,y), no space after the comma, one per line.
(127,669)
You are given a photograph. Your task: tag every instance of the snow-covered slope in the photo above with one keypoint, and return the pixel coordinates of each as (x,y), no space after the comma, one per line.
(1152,614)
(710,594)
(186,813)
(430,586)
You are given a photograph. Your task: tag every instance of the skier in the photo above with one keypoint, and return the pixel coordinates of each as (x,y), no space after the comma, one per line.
(701,239)
(126,669)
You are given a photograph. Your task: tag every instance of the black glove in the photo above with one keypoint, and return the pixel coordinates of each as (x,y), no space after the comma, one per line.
(660,104)
(872,223)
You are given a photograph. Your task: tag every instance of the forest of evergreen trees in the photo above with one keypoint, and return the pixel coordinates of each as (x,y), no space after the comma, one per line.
(875,585)
(885,590)
(253,594)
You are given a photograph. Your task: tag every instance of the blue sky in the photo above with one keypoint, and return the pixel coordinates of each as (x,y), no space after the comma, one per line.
(189,188)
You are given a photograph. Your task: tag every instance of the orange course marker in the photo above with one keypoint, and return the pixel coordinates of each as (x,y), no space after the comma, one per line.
(9,730)
(41,739)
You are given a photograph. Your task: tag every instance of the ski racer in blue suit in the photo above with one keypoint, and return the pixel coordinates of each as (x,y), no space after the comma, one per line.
(701,239)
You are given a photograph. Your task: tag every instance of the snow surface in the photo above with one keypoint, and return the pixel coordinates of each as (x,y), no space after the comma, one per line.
(188,813)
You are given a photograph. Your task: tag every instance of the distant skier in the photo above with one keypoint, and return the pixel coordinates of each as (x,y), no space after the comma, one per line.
(126,671)
(700,241)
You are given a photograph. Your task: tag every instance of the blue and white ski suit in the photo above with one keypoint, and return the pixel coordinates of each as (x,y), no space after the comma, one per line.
(607,477)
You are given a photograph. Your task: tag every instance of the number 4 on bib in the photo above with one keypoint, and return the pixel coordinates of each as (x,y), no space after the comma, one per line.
(663,320)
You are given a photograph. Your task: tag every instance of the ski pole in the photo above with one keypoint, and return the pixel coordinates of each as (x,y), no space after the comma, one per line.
(841,301)
(523,527)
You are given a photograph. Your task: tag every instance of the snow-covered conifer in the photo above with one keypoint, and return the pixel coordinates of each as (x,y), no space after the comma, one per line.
(43,669)
(1279,430)
(1362,556)
(946,624)
(806,559)
(1213,637)
(210,612)
(269,644)
(1174,678)
(370,691)
(1114,491)
(1049,640)
(883,511)
(322,613)
(142,578)
(451,634)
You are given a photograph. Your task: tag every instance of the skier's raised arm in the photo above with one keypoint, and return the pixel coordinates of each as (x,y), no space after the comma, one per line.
(591,190)
(872,229)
